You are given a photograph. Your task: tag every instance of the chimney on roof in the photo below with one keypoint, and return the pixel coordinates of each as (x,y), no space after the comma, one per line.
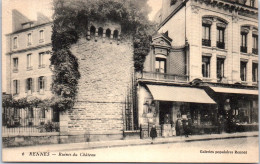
(41,19)
(18,19)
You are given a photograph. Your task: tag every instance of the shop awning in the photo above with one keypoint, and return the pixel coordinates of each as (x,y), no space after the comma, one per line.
(235,90)
(180,94)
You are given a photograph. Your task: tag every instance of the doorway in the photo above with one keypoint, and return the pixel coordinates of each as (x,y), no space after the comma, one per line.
(164,108)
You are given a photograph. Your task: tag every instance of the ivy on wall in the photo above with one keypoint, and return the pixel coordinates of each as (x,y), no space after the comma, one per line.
(71,18)
(23,103)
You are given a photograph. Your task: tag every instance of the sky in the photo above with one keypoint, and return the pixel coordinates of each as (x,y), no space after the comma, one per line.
(29,8)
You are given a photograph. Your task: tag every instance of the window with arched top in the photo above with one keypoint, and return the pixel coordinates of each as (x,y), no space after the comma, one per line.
(244,38)
(108,33)
(92,31)
(206,31)
(221,27)
(100,31)
(115,35)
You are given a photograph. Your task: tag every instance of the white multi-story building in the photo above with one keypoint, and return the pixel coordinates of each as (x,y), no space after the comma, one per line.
(203,66)
(27,57)
(28,69)
(222,37)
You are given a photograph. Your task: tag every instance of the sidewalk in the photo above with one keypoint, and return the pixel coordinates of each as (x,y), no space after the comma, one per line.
(120,143)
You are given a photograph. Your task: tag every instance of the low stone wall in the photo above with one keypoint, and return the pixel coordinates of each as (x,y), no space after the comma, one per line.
(37,139)
(56,138)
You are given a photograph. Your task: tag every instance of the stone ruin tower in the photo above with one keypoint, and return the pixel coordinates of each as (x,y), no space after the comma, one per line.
(106,67)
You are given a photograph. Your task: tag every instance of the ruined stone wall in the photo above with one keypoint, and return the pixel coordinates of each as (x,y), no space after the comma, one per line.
(106,68)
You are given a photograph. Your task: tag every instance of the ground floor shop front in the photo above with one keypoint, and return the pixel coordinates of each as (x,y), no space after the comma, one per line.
(180,110)
(237,108)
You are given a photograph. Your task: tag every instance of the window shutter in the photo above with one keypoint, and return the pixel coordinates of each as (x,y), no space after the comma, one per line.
(45,84)
(25,85)
(32,84)
(38,84)
(18,86)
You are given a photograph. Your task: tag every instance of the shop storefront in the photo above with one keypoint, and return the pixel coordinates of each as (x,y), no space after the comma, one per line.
(238,108)
(163,106)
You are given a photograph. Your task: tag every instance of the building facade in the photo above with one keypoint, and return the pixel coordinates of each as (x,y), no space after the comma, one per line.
(210,46)
(28,69)
(203,69)
(106,67)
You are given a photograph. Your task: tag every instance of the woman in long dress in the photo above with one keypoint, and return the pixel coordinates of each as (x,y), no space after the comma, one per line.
(179,127)
(153,132)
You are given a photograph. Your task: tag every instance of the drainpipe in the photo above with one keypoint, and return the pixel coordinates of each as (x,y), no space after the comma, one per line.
(186,44)
(10,59)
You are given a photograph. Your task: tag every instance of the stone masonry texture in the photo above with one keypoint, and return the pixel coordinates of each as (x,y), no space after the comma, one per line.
(106,71)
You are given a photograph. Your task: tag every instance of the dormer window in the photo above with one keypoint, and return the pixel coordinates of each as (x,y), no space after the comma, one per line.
(29,40)
(15,42)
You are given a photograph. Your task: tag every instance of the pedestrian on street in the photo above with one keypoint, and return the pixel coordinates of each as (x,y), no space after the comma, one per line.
(189,126)
(185,127)
(179,127)
(153,133)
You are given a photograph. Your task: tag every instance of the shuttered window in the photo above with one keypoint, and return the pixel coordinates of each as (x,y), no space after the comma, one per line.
(16,87)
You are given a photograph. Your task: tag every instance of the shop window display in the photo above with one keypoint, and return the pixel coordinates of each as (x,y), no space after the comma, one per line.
(255,111)
(203,117)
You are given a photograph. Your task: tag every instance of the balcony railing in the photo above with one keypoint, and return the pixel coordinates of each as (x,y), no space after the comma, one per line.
(164,77)
(206,42)
(255,51)
(221,45)
(243,49)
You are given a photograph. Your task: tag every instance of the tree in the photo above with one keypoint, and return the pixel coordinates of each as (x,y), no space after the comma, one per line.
(71,18)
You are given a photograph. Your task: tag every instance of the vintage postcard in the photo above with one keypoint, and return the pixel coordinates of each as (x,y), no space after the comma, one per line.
(130,81)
